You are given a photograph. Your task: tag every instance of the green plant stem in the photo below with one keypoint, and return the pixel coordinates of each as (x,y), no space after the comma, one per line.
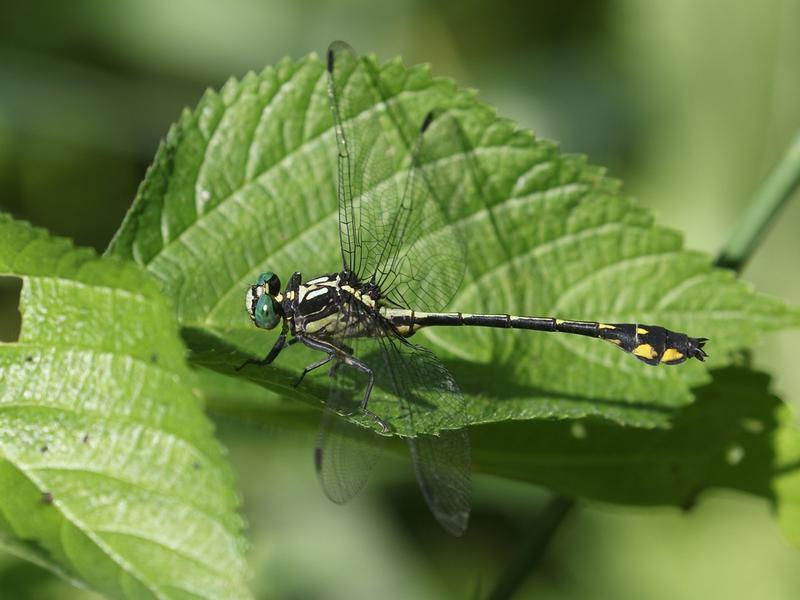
(766,203)
(533,548)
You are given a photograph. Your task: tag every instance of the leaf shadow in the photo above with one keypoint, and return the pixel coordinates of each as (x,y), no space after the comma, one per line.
(473,377)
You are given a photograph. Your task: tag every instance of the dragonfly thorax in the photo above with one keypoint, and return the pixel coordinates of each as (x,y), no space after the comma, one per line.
(332,305)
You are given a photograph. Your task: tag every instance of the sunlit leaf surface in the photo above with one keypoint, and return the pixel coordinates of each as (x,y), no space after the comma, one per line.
(245,183)
(109,470)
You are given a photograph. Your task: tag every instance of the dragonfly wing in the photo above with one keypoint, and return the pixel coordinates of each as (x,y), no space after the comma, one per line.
(344,456)
(370,154)
(400,176)
(414,392)
(442,466)
(423,256)
(345,453)
(428,394)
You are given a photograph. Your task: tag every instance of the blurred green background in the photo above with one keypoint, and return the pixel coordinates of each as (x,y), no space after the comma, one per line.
(689,102)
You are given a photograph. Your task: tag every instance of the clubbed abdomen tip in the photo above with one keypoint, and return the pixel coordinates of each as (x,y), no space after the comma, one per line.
(696,348)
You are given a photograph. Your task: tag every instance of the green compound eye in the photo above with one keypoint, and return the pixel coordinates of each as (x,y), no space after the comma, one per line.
(265,315)
(273,282)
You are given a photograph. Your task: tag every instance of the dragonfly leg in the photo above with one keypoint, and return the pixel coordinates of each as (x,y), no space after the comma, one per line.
(280,344)
(342,356)
(353,362)
(312,366)
(384,426)
(335,368)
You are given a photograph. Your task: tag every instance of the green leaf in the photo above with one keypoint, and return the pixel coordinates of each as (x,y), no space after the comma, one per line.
(737,435)
(36,556)
(724,439)
(108,468)
(246,183)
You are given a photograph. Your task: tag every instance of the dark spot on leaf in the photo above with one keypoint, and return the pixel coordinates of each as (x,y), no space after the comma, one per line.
(85,439)
(44,449)
(196,466)
(154,357)
(47,498)
(28,359)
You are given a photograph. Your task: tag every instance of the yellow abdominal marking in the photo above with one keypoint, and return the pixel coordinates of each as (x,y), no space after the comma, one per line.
(605,326)
(559,321)
(645,351)
(671,355)
(617,342)
(290,295)
(641,330)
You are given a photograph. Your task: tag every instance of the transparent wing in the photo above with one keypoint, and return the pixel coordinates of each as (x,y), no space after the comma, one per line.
(399,180)
(441,462)
(442,465)
(345,454)
(413,392)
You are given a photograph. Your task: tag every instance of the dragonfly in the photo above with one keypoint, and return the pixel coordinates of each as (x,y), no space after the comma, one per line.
(402,263)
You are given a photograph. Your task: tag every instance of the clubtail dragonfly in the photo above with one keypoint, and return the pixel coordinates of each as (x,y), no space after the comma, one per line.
(401,263)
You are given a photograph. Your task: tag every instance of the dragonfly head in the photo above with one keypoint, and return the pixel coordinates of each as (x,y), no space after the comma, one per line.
(262,302)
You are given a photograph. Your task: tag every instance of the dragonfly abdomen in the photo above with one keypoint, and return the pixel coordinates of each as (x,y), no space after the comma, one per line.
(653,344)
(649,343)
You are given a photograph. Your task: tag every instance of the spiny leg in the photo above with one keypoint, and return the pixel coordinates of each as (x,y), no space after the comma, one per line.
(312,366)
(332,351)
(351,361)
(334,370)
(279,345)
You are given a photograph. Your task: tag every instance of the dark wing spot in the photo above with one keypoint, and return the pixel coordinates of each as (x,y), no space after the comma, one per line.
(426,122)
(318,459)
(330,60)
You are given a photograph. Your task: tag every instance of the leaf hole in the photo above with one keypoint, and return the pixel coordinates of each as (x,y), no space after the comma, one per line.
(10,317)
